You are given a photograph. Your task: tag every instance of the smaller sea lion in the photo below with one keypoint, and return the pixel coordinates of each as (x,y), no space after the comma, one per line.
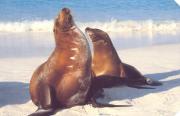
(106,63)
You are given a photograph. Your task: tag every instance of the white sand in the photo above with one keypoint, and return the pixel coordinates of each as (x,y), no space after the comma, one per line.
(159,62)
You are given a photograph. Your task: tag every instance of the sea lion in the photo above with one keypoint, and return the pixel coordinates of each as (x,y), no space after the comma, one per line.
(64,80)
(106,63)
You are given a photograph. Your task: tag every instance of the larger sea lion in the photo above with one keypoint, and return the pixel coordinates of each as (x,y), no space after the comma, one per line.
(106,63)
(64,80)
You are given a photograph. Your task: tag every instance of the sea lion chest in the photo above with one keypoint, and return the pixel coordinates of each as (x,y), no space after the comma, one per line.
(75,63)
(105,60)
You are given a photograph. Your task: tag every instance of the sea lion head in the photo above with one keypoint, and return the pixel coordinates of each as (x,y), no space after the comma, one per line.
(96,34)
(64,20)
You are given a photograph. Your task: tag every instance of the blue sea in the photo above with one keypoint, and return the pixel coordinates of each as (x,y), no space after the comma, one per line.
(26,25)
(90,10)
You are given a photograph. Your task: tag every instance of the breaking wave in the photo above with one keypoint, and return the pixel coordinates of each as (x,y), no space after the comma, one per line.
(114,27)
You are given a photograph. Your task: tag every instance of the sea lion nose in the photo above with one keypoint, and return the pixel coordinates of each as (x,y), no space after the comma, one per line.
(87,29)
(66,10)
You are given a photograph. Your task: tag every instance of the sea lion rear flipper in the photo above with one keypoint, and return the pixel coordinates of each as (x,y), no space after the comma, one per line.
(139,87)
(152,82)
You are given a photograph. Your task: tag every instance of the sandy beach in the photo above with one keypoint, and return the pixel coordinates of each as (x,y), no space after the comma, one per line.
(160,62)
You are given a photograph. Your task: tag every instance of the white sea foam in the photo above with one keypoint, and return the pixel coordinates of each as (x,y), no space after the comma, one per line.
(114,27)
(27,26)
(136,28)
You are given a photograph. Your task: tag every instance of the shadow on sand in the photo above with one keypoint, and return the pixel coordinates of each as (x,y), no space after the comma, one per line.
(13,93)
(120,93)
(18,92)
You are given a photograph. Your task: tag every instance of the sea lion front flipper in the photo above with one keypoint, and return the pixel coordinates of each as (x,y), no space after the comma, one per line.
(152,82)
(43,112)
(46,100)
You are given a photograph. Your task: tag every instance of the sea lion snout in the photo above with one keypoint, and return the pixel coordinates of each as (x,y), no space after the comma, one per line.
(96,34)
(88,30)
(66,10)
(64,21)
(64,14)
(90,33)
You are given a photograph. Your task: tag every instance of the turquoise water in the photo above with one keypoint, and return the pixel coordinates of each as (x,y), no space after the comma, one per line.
(90,10)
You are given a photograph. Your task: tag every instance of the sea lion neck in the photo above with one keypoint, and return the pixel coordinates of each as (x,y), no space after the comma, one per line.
(68,38)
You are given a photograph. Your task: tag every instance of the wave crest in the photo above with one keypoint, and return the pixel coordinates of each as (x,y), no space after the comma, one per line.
(26,26)
(114,27)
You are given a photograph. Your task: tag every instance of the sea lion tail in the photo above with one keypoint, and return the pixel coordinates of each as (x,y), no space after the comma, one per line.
(43,112)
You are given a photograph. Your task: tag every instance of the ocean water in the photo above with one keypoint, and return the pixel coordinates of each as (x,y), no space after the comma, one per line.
(89,10)
(26,25)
